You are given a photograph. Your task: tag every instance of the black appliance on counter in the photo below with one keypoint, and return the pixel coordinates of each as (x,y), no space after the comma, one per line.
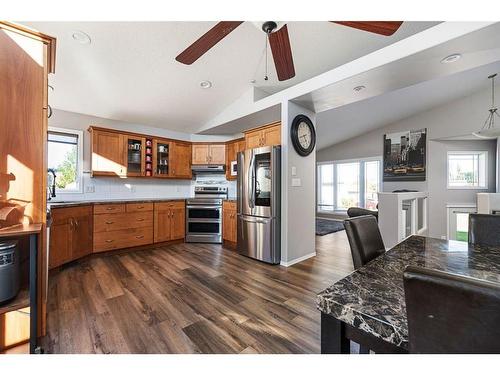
(9,270)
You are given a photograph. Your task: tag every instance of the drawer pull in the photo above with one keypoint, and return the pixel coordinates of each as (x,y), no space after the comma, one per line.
(139,237)
(140,207)
(108,241)
(109,222)
(110,208)
(140,219)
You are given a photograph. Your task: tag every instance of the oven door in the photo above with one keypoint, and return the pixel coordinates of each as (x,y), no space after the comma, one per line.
(204,224)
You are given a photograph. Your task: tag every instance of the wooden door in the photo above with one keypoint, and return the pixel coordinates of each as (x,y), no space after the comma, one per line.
(60,242)
(200,154)
(162,222)
(180,158)
(178,222)
(82,234)
(107,153)
(161,158)
(135,155)
(272,135)
(253,139)
(217,154)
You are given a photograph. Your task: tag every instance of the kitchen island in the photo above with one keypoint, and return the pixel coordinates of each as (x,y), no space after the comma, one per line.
(368,306)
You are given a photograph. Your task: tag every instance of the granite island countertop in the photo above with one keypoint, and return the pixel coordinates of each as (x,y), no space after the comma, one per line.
(372,297)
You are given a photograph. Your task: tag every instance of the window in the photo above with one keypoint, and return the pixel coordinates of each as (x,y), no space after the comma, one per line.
(348,184)
(467,170)
(65,157)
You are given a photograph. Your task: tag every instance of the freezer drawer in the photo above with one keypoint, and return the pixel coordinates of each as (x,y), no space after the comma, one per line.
(258,238)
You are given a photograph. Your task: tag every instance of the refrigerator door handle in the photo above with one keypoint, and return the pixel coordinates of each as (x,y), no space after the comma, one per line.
(251,180)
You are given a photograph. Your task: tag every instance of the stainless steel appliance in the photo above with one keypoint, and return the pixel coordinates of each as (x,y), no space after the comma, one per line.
(9,270)
(259,203)
(208,169)
(204,214)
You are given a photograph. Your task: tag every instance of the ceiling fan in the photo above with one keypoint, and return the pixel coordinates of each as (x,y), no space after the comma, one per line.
(278,40)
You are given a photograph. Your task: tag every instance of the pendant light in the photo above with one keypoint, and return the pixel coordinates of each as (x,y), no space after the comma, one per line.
(489,131)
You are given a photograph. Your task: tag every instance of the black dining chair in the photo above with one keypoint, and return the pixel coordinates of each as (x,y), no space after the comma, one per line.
(364,238)
(449,313)
(484,229)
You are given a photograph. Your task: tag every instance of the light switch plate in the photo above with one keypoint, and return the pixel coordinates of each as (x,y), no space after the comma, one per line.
(294,171)
(90,189)
(296,182)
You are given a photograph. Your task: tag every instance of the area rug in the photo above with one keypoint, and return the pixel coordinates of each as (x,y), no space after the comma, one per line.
(324,226)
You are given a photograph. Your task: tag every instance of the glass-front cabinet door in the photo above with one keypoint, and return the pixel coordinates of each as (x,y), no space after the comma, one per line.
(135,155)
(161,153)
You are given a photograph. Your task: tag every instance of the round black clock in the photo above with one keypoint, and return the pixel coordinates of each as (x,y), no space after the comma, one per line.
(303,135)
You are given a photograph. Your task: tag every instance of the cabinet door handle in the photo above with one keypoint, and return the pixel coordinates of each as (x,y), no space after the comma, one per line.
(109,222)
(76,224)
(140,219)
(71,223)
(139,237)
(108,241)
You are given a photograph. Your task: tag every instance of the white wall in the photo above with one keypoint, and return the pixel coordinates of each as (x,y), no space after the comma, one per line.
(127,188)
(457,118)
(298,203)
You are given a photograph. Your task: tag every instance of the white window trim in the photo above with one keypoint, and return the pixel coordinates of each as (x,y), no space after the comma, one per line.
(79,167)
(345,161)
(485,152)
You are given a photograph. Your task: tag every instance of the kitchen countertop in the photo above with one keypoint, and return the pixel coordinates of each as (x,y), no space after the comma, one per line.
(63,204)
(372,298)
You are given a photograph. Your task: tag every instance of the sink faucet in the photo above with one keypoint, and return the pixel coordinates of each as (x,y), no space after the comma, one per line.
(52,188)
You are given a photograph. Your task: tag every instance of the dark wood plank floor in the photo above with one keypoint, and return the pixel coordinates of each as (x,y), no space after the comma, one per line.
(191,298)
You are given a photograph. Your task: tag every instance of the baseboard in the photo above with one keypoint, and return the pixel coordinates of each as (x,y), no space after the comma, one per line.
(298,260)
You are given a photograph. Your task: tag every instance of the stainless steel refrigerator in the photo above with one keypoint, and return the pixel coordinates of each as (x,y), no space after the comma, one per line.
(259,203)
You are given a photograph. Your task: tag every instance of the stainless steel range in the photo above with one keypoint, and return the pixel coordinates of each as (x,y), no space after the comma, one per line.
(204,214)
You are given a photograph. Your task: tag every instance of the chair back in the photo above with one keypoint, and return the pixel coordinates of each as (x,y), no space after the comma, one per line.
(364,238)
(484,229)
(449,313)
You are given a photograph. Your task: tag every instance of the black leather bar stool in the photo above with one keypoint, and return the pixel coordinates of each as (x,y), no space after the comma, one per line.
(364,238)
(449,313)
(484,229)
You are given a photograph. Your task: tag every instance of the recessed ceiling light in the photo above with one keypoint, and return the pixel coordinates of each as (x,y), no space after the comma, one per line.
(451,58)
(205,84)
(81,37)
(359,88)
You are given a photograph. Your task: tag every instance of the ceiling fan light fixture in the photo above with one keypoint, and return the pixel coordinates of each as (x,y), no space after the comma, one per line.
(205,84)
(451,58)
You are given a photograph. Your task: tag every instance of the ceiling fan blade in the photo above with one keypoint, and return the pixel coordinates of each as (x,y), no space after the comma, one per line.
(282,54)
(207,41)
(386,28)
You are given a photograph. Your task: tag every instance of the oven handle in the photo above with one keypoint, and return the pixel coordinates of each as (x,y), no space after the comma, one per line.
(206,207)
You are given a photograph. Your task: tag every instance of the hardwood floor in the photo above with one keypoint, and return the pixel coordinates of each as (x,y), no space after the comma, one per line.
(191,298)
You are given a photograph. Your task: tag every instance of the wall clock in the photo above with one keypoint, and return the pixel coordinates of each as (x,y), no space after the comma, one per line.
(303,135)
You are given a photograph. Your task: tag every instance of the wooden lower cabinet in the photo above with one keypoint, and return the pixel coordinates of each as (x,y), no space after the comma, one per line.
(118,226)
(229,222)
(70,234)
(169,221)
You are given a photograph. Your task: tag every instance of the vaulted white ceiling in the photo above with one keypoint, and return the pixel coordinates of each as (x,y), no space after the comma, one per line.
(128,72)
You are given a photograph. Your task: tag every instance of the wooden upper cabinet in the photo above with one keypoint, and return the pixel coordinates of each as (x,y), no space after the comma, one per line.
(209,154)
(200,154)
(217,154)
(232,149)
(269,135)
(107,153)
(180,160)
(135,155)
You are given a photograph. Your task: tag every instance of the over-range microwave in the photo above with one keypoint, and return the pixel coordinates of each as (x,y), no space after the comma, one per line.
(234,168)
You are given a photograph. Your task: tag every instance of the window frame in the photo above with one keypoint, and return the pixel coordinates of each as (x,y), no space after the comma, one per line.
(362,181)
(463,187)
(79,158)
